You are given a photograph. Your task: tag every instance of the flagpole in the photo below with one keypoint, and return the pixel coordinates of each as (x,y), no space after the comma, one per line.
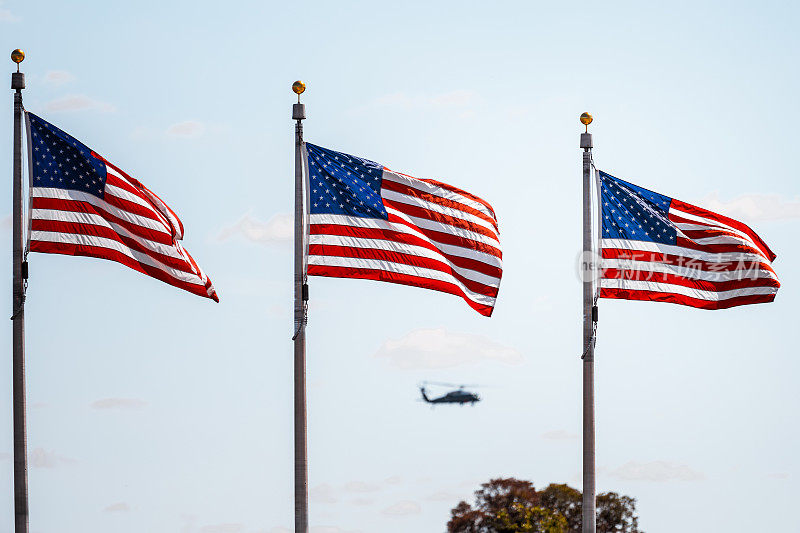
(18,310)
(589,317)
(300,299)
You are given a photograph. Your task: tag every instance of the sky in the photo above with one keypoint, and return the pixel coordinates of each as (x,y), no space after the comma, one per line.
(150,409)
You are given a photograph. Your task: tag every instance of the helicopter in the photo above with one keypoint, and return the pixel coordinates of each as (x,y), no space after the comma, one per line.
(459,396)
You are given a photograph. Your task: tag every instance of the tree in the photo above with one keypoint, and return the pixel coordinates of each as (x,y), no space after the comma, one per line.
(566,501)
(616,513)
(508,505)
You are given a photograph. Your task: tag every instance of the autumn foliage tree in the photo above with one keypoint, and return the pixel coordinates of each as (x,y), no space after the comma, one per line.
(511,505)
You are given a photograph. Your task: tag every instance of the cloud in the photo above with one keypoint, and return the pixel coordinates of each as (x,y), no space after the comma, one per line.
(778,475)
(393,480)
(440,348)
(755,207)
(222,528)
(7,16)
(360,486)
(655,471)
(314,529)
(403,508)
(278,230)
(41,458)
(444,496)
(186,129)
(559,434)
(58,77)
(78,102)
(126,404)
(117,508)
(4,456)
(323,494)
(5,222)
(363,502)
(452,99)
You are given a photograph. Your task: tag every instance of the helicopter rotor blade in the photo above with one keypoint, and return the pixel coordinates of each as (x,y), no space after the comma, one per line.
(455,385)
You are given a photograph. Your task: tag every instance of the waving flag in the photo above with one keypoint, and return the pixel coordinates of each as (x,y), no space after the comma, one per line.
(83,205)
(661,249)
(369,222)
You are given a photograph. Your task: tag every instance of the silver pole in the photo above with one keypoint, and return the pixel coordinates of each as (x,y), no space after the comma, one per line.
(300,298)
(589,512)
(18,317)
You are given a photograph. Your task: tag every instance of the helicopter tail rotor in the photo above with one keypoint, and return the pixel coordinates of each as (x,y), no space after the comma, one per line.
(424,394)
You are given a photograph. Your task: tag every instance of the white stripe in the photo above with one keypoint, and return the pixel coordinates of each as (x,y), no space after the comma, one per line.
(98,220)
(399,268)
(377,223)
(78,196)
(110,244)
(436,191)
(685,271)
(726,239)
(645,246)
(719,296)
(123,194)
(445,228)
(437,208)
(713,224)
(738,236)
(402,248)
(127,195)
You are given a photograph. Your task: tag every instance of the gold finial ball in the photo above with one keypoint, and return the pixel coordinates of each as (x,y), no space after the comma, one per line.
(17,56)
(298,87)
(586,119)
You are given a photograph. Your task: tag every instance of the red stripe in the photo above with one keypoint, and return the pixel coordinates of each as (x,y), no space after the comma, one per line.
(152,210)
(144,193)
(705,213)
(407,190)
(685,300)
(459,223)
(448,238)
(92,230)
(718,248)
(673,279)
(456,190)
(113,255)
(405,238)
(448,188)
(77,206)
(695,234)
(403,259)
(402,279)
(137,209)
(113,180)
(679,260)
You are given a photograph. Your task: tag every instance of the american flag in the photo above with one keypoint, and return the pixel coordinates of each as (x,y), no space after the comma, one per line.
(661,249)
(83,205)
(369,222)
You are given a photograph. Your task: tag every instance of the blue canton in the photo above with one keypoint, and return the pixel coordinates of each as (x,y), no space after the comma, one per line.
(62,162)
(343,184)
(633,213)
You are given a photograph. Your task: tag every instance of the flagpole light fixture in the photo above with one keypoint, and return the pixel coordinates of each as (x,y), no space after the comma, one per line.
(17,56)
(299,88)
(586,119)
